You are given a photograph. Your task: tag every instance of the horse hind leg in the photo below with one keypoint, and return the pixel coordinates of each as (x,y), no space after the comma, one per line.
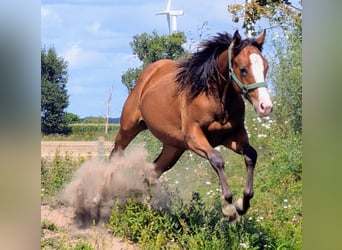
(127,132)
(165,161)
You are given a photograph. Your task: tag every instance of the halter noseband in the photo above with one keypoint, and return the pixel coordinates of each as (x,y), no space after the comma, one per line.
(245,88)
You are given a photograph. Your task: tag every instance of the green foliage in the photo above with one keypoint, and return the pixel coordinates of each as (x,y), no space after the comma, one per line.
(286,76)
(129,78)
(83,246)
(280,13)
(49,225)
(54,97)
(71,118)
(85,132)
(92,129)
(56,173)
(150,48)
(190,226)
(94,120)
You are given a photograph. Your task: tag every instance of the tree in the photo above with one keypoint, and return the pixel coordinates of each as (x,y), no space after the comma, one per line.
(72,118)
(279,12)
(150,48)
(54,97)
(286,76)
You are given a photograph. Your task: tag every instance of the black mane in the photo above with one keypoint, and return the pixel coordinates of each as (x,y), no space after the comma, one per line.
(199,71)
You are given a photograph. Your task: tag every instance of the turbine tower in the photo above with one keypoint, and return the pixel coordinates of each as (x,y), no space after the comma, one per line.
(171,16)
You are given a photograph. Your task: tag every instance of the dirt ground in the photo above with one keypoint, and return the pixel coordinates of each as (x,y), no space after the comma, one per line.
(97,236)
(63,216)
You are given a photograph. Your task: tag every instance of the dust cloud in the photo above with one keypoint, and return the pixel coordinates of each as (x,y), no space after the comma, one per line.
(97,184)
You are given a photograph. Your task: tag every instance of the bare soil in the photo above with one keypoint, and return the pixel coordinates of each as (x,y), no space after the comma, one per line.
(75,148)
(62,216)
(97,236)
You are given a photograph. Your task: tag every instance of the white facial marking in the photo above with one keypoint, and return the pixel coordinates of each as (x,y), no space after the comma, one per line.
(264,96)
(257,67)
(264,106)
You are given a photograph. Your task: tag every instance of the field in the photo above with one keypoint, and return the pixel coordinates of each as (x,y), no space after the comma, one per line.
(193,218)
(87,149)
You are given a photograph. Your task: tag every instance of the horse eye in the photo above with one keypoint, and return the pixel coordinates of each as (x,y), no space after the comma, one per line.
(243,71)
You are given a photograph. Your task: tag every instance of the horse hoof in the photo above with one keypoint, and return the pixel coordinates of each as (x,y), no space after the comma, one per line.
(239,206)
(230,213)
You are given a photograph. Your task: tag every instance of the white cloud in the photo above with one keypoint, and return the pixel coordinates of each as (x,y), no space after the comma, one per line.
(96,29)
(78,57)
(47,14)
(72,54)
(44,12)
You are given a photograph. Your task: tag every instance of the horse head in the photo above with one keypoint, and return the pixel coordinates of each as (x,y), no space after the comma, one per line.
(247,70)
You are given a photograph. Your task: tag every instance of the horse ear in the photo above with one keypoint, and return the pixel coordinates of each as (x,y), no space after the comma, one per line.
(261,38)
(236,37)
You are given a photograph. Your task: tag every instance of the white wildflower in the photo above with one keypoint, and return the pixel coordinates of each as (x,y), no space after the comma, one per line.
(244,245)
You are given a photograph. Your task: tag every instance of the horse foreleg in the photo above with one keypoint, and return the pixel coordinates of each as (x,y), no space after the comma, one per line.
(240,145)
(198,143)
(242,205)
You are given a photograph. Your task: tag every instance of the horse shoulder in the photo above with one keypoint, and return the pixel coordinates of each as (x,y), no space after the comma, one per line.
(212,115)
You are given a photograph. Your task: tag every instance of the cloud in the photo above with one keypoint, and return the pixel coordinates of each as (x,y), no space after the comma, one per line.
(44,12)
(77,57)
(96,29)
(48,15)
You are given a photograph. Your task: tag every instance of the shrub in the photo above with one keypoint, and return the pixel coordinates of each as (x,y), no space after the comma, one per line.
(55,174)
(186,226)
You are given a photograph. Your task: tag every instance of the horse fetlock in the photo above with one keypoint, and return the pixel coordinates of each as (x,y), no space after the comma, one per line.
(227,196)
(248,194)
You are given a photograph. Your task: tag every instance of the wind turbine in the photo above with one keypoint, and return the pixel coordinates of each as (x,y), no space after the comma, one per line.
(171,16)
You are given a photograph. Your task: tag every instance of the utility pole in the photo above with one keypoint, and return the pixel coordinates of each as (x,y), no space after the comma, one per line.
(108,104)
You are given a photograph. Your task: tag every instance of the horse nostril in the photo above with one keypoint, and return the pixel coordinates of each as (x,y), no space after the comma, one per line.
(262,107)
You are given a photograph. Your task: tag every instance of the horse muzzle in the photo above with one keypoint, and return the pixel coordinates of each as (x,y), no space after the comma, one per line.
(263,107)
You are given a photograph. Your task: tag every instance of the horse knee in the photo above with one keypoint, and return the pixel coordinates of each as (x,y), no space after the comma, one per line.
(216,160)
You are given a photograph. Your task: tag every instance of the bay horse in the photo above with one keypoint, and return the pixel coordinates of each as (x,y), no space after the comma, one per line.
(196,104)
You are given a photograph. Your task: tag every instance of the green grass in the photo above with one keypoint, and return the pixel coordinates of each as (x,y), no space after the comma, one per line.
(85,132)
(195,221)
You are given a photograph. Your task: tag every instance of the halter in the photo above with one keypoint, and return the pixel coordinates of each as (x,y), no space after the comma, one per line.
(245,88)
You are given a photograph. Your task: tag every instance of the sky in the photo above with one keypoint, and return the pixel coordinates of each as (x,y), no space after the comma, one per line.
(93,37)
